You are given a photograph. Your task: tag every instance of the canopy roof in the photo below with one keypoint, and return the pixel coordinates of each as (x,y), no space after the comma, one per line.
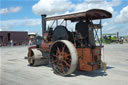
(92,14)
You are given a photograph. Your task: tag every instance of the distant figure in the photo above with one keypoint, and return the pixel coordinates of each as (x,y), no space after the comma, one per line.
(11,42)
(105,37)
(30,42)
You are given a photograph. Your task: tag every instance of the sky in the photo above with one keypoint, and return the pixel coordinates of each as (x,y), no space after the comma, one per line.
(24,15)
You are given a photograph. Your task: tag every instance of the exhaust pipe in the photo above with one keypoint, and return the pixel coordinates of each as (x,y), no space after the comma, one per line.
(43,24)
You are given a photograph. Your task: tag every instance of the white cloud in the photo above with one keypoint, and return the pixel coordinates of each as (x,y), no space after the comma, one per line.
(8,24)
(115,2)
(105,24)
(94,1)
(31,22)
(97,4)
(123,16)
(52,6)
(10,10)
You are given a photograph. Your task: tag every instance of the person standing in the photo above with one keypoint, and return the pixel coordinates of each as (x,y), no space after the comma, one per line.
(11,41)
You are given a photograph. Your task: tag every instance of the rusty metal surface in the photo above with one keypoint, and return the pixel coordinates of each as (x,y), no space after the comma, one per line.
(89,56)
(93,14)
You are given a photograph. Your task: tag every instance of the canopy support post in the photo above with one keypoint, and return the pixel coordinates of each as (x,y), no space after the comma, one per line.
(101,33)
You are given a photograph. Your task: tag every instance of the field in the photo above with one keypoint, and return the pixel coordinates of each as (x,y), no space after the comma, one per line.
(15,70)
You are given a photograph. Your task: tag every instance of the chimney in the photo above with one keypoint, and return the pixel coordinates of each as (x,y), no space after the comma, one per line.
(43,16)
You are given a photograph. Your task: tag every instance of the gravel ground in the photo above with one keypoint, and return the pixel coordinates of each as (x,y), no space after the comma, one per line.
(14,69)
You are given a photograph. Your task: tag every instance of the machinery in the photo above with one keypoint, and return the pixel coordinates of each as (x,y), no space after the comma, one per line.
(68,51)
(111,38)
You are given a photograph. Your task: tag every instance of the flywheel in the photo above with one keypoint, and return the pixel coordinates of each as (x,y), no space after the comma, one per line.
(63,57)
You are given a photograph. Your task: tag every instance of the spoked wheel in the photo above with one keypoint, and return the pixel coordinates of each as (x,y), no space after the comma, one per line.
(63,57)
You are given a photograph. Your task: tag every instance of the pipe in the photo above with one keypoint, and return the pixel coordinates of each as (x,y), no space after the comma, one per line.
(43,24)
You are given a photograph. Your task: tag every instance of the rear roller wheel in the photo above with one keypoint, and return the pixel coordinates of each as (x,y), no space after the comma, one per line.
(63,57)
(30,59)
(37,59)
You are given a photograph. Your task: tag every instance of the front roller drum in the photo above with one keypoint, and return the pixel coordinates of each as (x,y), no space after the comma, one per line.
(37,59)
(63,57)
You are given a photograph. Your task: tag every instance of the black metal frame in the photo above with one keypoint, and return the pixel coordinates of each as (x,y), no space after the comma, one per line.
(56,21)
(99,38)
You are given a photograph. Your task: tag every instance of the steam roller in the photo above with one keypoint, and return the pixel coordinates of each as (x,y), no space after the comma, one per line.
(67,50)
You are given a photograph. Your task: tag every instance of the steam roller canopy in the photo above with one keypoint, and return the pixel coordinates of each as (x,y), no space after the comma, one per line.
(60,33)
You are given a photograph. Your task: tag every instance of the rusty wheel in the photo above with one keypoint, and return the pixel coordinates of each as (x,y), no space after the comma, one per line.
(63,57)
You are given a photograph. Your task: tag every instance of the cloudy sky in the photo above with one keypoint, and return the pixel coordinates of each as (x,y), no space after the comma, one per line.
(24,15)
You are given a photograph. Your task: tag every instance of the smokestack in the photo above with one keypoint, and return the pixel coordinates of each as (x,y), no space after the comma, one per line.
(43,24)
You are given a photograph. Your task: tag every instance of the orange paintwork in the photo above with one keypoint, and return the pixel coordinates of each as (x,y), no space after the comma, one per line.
(46,46)
(86,57)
